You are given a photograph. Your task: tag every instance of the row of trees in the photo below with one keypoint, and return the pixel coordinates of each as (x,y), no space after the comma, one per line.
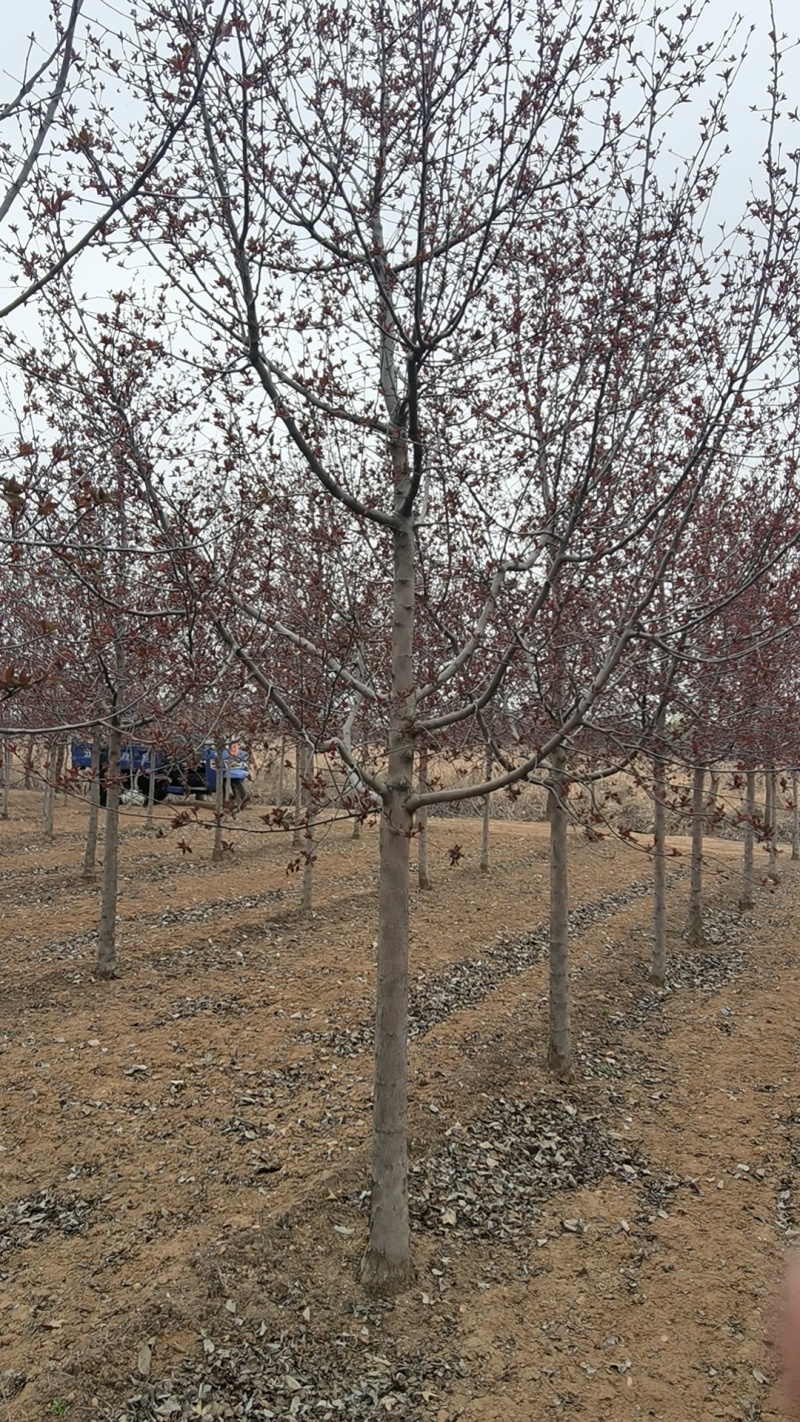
(415,387)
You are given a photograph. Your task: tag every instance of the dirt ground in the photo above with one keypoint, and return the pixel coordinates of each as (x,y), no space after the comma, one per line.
(184,1152)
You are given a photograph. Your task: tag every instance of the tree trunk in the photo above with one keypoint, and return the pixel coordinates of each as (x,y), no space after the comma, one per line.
(6,777)
(48,809)
(559,1053)
(487,805)
(795,818)
(219,806)
(281,771)
(746,899)
(307,891)
(772,781)
(297,836)
(422,821)
(695,935)
(90,854)
(387,1260)
(107,937)
(151,789)
(61,774)
(658,965)
(27,783)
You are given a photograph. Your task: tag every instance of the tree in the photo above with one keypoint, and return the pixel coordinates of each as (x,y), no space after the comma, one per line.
(366,225)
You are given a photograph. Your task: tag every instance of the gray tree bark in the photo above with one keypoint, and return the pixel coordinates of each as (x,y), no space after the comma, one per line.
(487,807)
(281,771)
(151,790)
(308,845)
(297,834)
(772,783)
(6,777)
(90,853)
(49,805)
(387,1260)
(695,934)
(422,821)
(658,964)
(795,818)
(219,806)
(107,937)
(746,899)
(559,1053)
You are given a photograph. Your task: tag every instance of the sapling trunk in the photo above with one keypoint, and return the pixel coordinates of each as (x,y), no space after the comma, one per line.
(297,835)
(695,934)
(658,965)
(387,1260)
(61,778)
(6,777)
(49,805)
(772,781)
(90,853)
(107,938)
(795,818)
(746,899)
(559,1054)
(219,806)
(422,821)
(487,807)
(151,790)
(281,771)
(307,890)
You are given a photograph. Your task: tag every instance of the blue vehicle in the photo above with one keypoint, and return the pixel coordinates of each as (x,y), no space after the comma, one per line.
(193,772)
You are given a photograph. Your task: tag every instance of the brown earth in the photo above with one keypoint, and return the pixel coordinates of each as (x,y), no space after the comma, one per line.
(184,1151)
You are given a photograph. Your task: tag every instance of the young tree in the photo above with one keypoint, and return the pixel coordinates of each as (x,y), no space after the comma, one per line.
(430,251)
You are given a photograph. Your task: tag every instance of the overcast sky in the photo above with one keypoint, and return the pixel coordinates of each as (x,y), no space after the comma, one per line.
(747,133)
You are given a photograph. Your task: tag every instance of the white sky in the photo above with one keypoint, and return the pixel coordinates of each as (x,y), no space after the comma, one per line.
(746,132)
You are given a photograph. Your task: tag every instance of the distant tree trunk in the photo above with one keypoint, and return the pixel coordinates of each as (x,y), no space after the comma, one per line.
(298,794)
(695,934)
(219,806)
(6,777)
(226,771)
(281,771)
(61,770)
(149,821)
(422,821)
(487,806)
(90,854)
(772,782)
(795,818)
(559,1055)
(107,937)
(658,965)
(357,821)
(307,891)
(48,809)
(27,783)
(746,899)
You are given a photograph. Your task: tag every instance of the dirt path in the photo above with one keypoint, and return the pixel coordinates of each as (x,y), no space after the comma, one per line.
(184,1151)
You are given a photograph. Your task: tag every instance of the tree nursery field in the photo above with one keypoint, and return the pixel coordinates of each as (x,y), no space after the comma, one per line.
(185,1148)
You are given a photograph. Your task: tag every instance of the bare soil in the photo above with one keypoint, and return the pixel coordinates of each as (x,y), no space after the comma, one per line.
(184,1152)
